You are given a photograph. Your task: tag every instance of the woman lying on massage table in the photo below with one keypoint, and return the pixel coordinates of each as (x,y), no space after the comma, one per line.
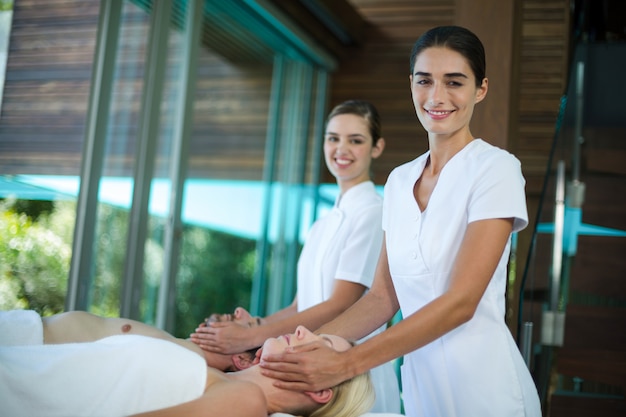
(80,326)
(131,374)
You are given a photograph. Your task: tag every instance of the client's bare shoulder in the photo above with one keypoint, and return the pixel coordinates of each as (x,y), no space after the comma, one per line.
(226,394)
(223,396)
(71,327)
(80,326)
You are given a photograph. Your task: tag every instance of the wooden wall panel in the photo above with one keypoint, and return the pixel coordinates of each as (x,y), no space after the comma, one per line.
(47,86)
(491,118)
(544,48)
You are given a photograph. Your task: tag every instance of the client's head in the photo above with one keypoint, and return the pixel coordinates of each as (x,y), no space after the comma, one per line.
(350,398)
(239,361)
(231,363)
(240,316)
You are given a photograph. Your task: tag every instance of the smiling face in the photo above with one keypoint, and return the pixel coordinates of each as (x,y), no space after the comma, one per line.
(349,149)
(444,92)
(300,337)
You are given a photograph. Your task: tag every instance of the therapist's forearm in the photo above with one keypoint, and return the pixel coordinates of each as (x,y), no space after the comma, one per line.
(358,321)
(373,310)
(426,325)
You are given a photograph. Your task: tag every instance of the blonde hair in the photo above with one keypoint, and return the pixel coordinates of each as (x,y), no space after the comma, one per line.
(351,398)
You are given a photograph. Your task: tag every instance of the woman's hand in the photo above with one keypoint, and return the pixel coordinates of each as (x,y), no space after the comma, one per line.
(311,367)
(227,333)
(223,337)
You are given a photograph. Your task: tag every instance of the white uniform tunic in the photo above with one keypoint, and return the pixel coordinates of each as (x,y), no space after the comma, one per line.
(112,377)
(476,369)
(345,244)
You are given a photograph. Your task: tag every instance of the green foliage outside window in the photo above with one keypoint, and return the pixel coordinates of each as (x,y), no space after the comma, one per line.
(215,273)
(34,257)
(215,276)
(6,5)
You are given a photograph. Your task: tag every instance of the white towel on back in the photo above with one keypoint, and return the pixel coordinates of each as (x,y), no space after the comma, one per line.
(20,327)
(112,377)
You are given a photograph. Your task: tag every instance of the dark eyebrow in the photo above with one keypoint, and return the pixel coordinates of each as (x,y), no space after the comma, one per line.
(449,75)
(354,135)
(456,75)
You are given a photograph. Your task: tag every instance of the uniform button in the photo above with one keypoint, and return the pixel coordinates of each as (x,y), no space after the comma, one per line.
(414,255)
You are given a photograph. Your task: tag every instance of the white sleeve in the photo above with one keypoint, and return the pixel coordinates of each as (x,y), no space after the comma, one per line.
(359,256)
(499,192)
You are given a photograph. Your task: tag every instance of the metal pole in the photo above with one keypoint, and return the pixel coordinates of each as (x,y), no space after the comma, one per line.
(527,342)
(557,245)
(81,268)
(578,135)
(180,154)
(258,302)
(147,142)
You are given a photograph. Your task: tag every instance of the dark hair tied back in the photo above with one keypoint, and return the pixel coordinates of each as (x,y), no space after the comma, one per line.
(458,39)
(363,109)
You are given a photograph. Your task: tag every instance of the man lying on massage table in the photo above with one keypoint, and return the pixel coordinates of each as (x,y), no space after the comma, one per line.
(129,374)
(80,326)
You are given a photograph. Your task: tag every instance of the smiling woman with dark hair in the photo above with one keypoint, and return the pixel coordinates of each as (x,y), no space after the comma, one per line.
(448,216)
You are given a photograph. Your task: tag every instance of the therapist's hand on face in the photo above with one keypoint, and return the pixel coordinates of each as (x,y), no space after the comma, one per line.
(310,367)
(223,337)
(226,333)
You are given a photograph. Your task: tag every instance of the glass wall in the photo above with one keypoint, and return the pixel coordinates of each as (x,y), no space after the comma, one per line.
(201,128)
(46,88)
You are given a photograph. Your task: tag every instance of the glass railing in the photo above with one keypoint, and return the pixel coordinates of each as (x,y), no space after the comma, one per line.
(573,299)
